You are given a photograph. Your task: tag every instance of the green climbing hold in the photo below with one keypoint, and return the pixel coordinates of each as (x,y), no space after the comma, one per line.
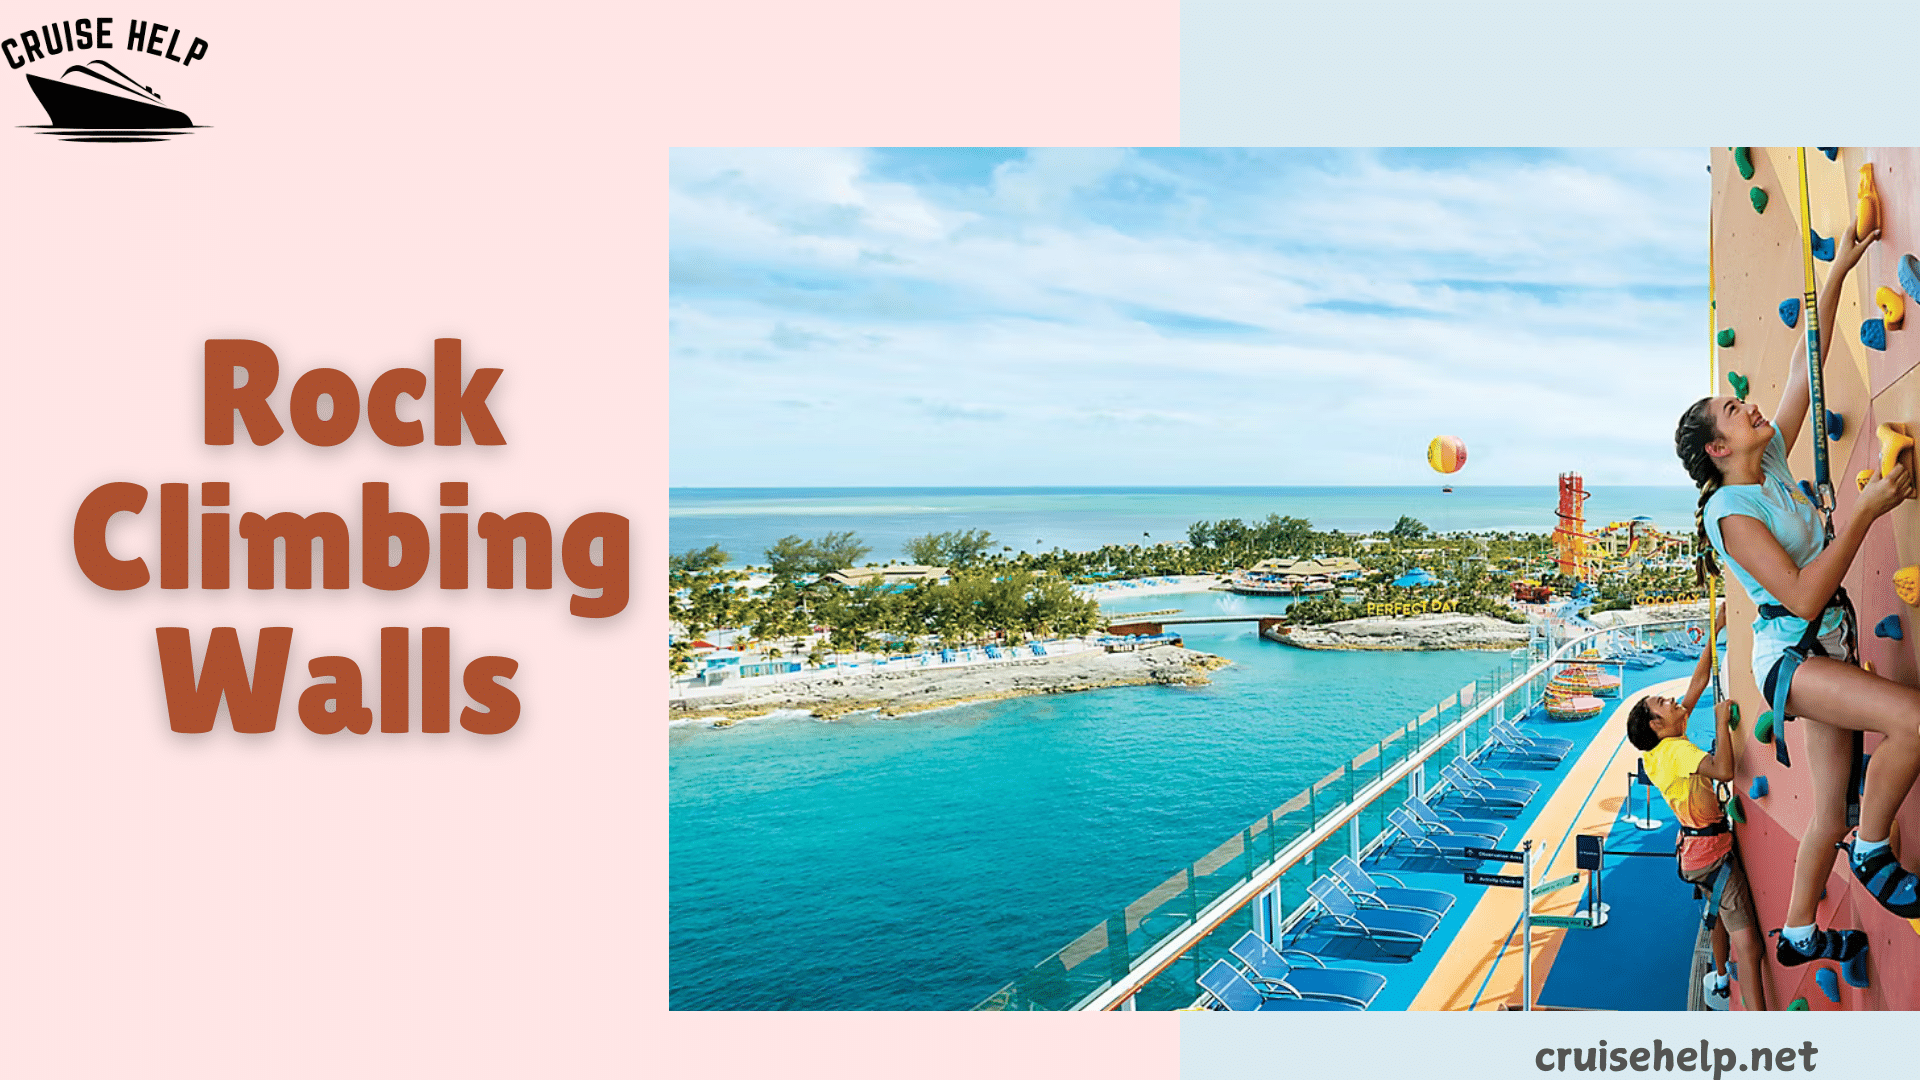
(1739,384)
(1799,1005)
(1759,199)
(1733,716)
(1743,160)
(1734,813)
(1763,727)
(1725,338)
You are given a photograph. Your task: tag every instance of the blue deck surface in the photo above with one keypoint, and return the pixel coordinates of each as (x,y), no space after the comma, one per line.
(1639,960)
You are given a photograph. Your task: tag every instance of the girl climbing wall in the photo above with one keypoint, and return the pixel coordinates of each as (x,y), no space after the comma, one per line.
(1767,531)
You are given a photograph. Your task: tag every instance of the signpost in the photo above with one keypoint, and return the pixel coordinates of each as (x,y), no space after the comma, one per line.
(1506,881)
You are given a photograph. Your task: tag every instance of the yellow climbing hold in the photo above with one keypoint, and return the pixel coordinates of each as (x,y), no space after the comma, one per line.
(1895,443)
(1861,480)
(1906,585)
(1892,308)
(1915,923)
(1866,214)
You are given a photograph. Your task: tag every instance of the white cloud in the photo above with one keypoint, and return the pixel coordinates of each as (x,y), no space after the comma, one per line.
(1265,318)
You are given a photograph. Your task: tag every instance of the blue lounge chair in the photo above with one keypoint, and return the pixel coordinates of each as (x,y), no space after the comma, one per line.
(1447,822)
(1235,994)
(1545,744)
(1516,748)
(1474,793)
(1268,967)
(1426,842)
(1496,779)
(1367,890)
(1382,926)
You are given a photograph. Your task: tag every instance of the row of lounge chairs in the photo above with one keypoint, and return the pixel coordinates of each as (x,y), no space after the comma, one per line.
(1351,901)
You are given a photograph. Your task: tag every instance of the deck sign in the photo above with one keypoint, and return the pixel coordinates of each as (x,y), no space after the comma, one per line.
(1496,854)
(1557,883)
(1495,879)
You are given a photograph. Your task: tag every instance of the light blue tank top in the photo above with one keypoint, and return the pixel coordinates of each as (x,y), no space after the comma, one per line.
(1779,504)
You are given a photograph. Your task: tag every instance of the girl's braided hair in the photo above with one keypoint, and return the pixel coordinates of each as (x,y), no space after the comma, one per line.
(1690,438)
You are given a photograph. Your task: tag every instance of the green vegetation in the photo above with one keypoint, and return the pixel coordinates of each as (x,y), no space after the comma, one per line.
(1009,596)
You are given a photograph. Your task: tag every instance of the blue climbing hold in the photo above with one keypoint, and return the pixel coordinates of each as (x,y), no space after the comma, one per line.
(1759,788)
(1889,627)
(1829,983)
(1822,246)
(1832,152)
(1873,334)
(1790,311)
(1836,425)
(1908,271)
(1807,486)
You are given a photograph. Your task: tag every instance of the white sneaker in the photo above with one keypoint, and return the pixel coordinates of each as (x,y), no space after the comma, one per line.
(1716,999)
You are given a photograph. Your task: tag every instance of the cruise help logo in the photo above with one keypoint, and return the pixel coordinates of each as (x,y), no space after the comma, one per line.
(102,94)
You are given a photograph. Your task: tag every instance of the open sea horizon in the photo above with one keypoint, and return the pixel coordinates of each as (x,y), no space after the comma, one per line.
(744,521)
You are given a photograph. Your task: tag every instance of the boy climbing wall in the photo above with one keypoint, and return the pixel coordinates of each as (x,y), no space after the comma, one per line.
(1684,773)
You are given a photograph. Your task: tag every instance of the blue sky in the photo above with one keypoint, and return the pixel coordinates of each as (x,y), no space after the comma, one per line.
(1182,316)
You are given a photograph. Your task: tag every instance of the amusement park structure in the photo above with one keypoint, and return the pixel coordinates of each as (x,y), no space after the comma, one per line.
(1569,531)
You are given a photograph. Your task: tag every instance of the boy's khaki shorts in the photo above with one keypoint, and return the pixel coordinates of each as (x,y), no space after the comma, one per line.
(1736,900)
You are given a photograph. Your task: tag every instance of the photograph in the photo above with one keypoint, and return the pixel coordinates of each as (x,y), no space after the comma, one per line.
(1287,579)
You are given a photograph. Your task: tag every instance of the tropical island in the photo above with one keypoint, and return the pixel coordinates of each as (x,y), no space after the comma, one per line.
(817,626)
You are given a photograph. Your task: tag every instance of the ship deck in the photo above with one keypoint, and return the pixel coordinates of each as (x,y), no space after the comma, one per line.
(1639,959)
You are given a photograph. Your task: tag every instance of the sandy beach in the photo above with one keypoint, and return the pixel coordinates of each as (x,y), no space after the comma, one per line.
(1109,591)
(907,690)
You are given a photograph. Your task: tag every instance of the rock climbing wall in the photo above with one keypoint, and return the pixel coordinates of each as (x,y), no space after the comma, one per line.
(1758,265)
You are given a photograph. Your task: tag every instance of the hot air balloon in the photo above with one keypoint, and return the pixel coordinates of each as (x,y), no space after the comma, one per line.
(1446,453)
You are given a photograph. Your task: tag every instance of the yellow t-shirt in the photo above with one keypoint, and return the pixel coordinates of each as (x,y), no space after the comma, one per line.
(1673,767)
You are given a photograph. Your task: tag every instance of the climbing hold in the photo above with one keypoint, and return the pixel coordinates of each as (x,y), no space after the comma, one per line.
(1733,715)
(1889,627)
(1758,790)
(1895,445)
(1799,1005)
(1739,384)
(1915,923)
(1855,970)
(1832,152)
(1861,480)
(1743,160)
(1807,486)
(1836,425)
(1892,308)
(1725,338)
(1873,334)
(1822,246)
(1790,311)
(1759,199)
(1763,727)
(1906,585)
(1908,271)
(1866,209)
(1734,813)
(1829,984)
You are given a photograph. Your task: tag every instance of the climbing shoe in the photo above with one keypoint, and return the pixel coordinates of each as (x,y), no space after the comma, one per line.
(1882,875)
(1714,997)
(1841,945)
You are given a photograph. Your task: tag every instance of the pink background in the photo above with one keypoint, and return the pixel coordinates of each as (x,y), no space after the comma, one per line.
(370,179)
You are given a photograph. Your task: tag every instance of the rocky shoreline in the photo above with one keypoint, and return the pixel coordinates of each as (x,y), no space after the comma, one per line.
(1411,633)
(910,690)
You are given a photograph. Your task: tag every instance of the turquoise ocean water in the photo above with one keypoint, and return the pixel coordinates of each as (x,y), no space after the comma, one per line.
(744,521)
(923,862)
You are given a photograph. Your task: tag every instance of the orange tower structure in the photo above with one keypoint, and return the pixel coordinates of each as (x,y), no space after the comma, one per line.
(1570,534)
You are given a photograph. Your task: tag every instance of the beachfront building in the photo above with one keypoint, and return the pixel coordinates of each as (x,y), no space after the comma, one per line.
(893,575)
(1288,577)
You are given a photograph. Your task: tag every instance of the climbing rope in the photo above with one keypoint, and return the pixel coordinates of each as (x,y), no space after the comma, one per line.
(1713,384)
(1816,391)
